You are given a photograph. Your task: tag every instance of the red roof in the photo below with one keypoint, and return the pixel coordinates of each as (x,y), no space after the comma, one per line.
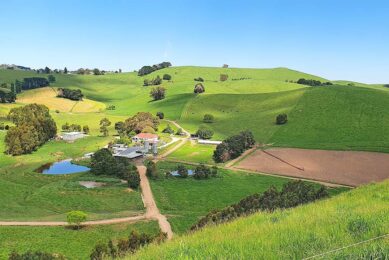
(146,136)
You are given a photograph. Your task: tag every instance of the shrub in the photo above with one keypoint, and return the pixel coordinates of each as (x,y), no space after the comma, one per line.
(204,172)
(133,178)
(166,77)
(102,162)
(233,146)
(85,129)
(312,82)
(208,118)
(151,169)
(51,78)
(281,119)
(111,107)
(30,255)
(179,131)
(199,79)
(199,88)
(182,171)
(223,77)
(158,93)
(204,133)
(160,115)
(76,217)
(168,130)
(72,94)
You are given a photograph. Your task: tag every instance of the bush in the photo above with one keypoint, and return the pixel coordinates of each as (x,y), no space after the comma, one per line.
(160,115)
(76,217)
(51,78)
(153,82)
(85,129)
(133,178)
(30,255)
(168,130)
(151,169)
(166,77)
(72,94)
(312,82)
(158,93)
(208,118)
(199,79)
(204,172)
(281,119)
(223,77)
(199,88)
(111,107)
(204,133)
(179,131)
(182,171)
(233,146)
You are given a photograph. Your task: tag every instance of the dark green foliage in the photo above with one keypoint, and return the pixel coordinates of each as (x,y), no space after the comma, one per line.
(85,129)
(204,133)
(199,79)
(223,77)
(233,146)
(149,69)
(30,255)
(103,163)
(313,83)
(151,169)
(281,119)
(153,82)
(7,95)
(160,115)
(204,172)
(97,72)
(199,88)
(35,82)
(167,77)
(158,93)
(182,171)
(208,118)
(111,107)
(120,128)
(168,130)
(386,85)
(71,128)
(293,193)
(133,178)
(133,243)
(72,94)
(65,70)
(104,123)
(34,127)
(51,78)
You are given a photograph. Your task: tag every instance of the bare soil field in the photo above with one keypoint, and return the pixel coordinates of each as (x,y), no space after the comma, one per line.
(342,167)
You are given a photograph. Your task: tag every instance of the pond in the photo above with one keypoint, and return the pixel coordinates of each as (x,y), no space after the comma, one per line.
(175,173)
(62,167)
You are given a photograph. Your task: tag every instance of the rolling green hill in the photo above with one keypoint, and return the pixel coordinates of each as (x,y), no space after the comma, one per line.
(293,234)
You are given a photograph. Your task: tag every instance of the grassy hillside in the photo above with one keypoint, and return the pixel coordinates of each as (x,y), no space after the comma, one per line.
(293,234)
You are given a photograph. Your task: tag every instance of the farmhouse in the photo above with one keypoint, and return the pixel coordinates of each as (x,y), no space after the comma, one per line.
(143,137)
(72,136)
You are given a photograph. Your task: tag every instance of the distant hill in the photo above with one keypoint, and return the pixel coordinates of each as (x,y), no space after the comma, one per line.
(14,67)
(293,234)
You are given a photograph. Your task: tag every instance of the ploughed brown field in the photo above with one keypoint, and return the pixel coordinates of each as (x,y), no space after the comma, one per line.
(341,167)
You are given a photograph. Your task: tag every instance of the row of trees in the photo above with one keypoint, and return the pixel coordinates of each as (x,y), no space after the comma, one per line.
(34,127)
(72,94)
(149,69)
(293,193)
(200,172)
(133,243)
(312,82)
(204,133)
(34,82)
(104,163)
(75,128)
(233,146)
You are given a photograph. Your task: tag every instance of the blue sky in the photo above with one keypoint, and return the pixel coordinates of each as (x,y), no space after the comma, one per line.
(336,39)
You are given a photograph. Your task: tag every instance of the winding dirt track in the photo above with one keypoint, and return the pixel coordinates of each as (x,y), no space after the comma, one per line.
(152,212)
(342,167)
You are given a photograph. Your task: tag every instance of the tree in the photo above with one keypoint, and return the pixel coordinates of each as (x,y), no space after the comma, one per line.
(182,171)
(204,133)
(158,93)
(208,118)
(65,127)
(65,70)
(85,129)
(166,77)
(202,172)
(179,131)
(199,79)
(199,88)
(133,178)
(76,217)
(47,70)
(151,169)
(104,123)
(96,71)
(168,130)
(72,94)
(140,121)
(7,96)
(120,127)
(281,119)
(51,78)
(160,115)
(103,163)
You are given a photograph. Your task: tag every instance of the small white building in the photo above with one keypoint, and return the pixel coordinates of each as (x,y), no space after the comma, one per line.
(201,141)
(143,137)
(72,136)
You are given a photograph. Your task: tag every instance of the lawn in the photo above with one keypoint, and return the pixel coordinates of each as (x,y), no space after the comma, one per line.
(184,201)
(74,244)
(193,152)
(308,230)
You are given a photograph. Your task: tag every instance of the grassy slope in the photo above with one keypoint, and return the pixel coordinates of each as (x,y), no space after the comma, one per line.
(186,200)
(293,234)
(74,244)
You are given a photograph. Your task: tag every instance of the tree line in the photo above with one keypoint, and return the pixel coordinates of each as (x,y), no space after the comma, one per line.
(72,94)
(293,193)
(313,83)
(233,146)
(34,127)
(149,69)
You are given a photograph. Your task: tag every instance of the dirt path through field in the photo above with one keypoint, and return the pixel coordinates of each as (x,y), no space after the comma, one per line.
(342,167)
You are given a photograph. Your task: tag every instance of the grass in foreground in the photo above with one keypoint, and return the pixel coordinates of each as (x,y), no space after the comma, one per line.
(293,234)
(184,201)
(74,244)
